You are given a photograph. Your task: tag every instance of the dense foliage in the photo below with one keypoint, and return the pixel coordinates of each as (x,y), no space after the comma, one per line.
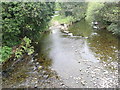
(74,11)
(26,20)
(104,13)
(21,19)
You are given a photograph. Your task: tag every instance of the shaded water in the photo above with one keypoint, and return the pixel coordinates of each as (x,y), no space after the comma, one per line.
(86,59)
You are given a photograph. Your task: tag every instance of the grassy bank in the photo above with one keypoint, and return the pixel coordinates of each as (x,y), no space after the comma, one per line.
(62,19)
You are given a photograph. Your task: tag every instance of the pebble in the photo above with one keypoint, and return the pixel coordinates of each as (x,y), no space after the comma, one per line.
(80,69)
(61,84)
(88,66)
(37,63)
(34,68)
(74,77)
(97,78)
(86,37)
(39,67)
(97,69)
(87,71)
(76,50)
(36,54)
(83,83)
(36,86)
(85,61)
(79,78)
(77,82)
(91,80)
(45,76)
(93,76)
(81,73)
(105,72)
(70,34)
(36,82)
(35,59)
(32,60)
(44,72)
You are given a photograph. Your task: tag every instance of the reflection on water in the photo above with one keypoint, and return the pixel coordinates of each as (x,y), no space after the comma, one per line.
(43,47)
(81,28)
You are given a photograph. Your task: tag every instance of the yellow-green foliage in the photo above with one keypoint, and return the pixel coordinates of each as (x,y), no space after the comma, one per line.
(105,13)
(93,10)
(5,53)
(24,48)
(62,19)
(76,10)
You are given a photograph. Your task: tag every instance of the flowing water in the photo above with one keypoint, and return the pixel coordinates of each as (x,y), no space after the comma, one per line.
(86,59)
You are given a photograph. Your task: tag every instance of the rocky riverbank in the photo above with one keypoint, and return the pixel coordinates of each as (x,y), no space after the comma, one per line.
(30,73)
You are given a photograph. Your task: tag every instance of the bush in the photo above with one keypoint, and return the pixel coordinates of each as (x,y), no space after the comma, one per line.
(25,47)
(114,28)
(23,19)
(5,53)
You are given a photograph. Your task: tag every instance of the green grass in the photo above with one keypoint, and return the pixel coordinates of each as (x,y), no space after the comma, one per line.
(61,19)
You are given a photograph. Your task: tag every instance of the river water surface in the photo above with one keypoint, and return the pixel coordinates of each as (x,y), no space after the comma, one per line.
(86,58)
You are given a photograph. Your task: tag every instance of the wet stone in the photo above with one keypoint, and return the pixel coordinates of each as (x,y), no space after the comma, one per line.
(37,63)
(88,66)
(46,76)
(43,72)
(77,82)
(83,83)
(74,77)
(36,54)
(39,67)
(76,50)
(32,60)
(35,68)
(61,84)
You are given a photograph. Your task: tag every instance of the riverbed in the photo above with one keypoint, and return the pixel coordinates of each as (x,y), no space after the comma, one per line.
(82,58)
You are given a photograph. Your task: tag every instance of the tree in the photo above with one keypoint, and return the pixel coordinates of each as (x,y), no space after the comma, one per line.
(24,19)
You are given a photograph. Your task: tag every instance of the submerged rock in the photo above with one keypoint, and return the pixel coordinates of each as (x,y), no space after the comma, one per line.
(78,62)
(83,83)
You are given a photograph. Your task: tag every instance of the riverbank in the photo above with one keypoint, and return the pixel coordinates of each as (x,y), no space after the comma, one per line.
(82,62)
(64,60)
(31,73)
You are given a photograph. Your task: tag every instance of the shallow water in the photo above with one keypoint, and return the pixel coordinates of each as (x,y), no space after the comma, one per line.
(88,59)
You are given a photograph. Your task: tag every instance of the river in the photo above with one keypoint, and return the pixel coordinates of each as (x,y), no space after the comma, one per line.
(86,59)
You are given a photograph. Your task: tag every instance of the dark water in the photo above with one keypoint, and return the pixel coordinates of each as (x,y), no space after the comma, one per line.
(88,59)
